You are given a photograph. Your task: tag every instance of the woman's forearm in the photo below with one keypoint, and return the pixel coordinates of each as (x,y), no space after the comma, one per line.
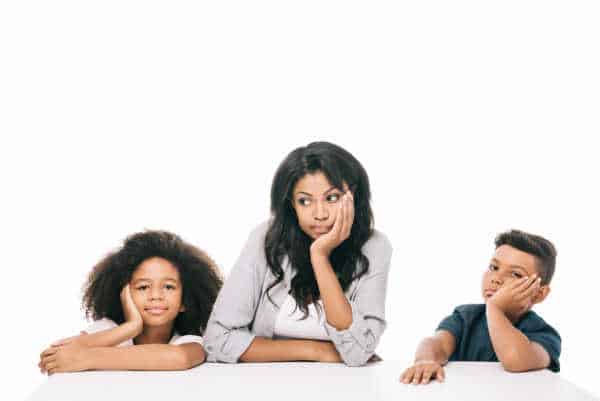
(337,308)
(279,350)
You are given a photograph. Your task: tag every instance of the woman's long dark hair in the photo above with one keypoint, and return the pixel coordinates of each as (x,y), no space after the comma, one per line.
(200,278)
(285,237)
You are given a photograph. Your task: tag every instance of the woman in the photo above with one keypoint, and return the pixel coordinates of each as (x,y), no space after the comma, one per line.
(310,283)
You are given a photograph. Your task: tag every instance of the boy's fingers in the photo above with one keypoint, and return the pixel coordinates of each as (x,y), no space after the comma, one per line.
(406,377)
(532,285)
(426,376)
(440,374)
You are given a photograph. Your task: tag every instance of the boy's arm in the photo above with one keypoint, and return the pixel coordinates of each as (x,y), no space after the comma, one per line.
(514,350)
(437,348)
(73,358)
(432,353)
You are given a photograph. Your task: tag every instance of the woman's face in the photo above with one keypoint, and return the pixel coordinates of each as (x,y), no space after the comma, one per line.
(315,201)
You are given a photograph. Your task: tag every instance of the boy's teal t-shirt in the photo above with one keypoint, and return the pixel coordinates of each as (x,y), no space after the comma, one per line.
(468,324)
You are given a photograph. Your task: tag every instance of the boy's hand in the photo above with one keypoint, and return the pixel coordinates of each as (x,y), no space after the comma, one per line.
(422,372)
(516,297)
(130,311)
(66,358)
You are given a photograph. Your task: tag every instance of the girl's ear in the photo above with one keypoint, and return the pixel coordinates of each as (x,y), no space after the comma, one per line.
(182,308)
(542,294)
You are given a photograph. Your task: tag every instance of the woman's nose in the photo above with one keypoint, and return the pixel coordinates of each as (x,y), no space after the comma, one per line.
(321,212)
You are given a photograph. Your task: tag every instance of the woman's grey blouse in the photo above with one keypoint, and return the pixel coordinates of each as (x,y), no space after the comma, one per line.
(243,310)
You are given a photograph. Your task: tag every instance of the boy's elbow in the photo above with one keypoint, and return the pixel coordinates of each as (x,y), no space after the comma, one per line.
(514,363)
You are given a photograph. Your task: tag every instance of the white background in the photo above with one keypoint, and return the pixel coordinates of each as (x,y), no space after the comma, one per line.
(470,117)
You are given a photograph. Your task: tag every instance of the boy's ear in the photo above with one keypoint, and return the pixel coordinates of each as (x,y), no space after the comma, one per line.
(542,294)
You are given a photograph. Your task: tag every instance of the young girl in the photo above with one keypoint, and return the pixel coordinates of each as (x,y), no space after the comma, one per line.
(310,283)
(150,300)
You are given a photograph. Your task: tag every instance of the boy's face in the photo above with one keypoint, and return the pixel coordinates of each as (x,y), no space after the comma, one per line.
(509,264)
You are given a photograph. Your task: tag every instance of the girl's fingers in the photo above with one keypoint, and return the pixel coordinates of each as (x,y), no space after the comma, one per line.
(48,351)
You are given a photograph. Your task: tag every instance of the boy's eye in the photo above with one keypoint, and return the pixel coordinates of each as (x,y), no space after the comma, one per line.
(517,275)
(493,268)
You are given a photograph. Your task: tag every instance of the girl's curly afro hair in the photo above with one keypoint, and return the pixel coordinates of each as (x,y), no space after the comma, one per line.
(200,278)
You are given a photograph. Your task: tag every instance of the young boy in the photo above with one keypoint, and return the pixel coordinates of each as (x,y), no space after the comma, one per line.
(504,328)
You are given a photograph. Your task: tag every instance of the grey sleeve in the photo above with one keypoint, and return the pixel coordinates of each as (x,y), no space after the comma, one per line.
(227,333)
(357,343)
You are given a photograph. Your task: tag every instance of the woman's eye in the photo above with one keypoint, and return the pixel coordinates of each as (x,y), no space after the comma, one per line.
(333,198)
(304,201)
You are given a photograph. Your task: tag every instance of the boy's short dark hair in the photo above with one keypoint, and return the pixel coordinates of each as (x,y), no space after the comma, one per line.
(535,245)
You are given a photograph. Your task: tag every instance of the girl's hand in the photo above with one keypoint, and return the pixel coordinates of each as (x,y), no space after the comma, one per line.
(67,358)
(131,312)
(340,231)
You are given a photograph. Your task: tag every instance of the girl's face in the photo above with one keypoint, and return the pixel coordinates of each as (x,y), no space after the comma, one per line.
(316,201)
(156,291)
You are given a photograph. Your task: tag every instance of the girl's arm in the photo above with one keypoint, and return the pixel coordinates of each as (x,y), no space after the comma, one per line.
(112,335)
(73,358)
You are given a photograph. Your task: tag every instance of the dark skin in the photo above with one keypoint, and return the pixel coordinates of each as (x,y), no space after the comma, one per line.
(510,287)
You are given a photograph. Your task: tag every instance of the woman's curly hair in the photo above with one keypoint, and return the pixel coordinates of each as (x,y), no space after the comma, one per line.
(201,279)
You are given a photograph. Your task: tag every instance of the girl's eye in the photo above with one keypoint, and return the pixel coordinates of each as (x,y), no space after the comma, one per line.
(517,275)
(169,287)
(142,287)
(333,198)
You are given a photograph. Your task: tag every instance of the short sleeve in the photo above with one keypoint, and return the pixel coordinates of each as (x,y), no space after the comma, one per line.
(186,340)
(453,324)
(100,325)
(105,324)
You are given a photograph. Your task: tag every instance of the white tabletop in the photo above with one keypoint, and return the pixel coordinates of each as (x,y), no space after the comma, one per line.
(465,381)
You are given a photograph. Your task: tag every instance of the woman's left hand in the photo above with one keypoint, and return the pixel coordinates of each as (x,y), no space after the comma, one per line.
(65,358)
(340,231)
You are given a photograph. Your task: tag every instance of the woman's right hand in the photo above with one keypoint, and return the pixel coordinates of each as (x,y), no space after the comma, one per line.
(130,311)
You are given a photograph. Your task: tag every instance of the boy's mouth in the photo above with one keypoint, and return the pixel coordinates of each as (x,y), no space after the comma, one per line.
(488,293)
